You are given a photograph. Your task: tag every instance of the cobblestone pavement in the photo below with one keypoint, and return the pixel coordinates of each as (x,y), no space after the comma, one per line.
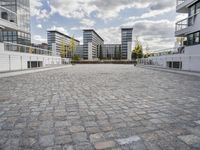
(88,107)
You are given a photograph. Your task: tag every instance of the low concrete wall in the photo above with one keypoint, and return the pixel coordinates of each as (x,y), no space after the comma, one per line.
(190,63)
(10,61)
(103,62)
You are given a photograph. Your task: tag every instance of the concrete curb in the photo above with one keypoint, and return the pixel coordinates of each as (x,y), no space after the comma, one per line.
(10,74)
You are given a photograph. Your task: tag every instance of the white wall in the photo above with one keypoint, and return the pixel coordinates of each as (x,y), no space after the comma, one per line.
(129,53)
(90,51)
(18,61)
(192,50)
(190,63)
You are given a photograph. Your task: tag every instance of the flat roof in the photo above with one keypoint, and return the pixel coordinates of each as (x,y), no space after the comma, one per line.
(94,32)
(52,30)
(127,28)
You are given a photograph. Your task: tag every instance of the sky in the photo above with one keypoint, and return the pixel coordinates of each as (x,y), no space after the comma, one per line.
(153,20)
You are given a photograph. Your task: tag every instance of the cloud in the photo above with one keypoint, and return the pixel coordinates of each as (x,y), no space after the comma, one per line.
(87,22)
(60,29)
(38,39)
(157,34)
(72,8)
(39,26)
(37,10)
(104,9)
(111,35)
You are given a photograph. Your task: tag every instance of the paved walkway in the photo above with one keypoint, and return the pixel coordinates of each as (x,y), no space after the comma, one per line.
(113,107)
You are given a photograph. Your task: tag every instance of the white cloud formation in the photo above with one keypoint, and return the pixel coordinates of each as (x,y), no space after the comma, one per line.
(37,10)
(87,22)
(111,35)
(38,39)
(104,9)
(60,29)
(39,26)
(155,34)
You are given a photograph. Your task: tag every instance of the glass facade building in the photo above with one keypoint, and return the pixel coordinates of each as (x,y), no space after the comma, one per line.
(58,38)
(22,18)
(126,37)
(111,51)
(90,36)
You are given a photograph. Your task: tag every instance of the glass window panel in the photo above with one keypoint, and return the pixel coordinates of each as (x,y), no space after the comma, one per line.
(192,10)
(196,38)
(198,7)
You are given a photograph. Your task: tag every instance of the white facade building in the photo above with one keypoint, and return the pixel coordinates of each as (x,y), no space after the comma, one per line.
(187,56)
(15,56)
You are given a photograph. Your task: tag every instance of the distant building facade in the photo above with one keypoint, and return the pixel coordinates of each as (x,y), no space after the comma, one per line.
(92,43)
(56,39)
(94,47)
(16,11)
(111,51)
(126,38)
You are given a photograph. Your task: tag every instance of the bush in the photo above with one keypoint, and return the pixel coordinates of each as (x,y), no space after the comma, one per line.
(76,58)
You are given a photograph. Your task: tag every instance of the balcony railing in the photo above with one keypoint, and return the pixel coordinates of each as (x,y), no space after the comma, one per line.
(8,15)
(179,2)
(180,25)
(26,49)
(185,23)
(169,51)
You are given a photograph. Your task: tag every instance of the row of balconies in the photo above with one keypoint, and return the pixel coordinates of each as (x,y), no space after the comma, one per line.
(182,5)
(8,18)
(184,26)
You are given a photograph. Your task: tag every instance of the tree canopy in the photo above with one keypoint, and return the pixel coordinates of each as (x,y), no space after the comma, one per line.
(138,49)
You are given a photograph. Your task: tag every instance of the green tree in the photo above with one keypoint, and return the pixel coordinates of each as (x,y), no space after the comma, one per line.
(63,50)
(72,46)
(138,49)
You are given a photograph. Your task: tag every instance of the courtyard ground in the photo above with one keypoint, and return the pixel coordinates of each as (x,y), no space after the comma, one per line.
(88,107)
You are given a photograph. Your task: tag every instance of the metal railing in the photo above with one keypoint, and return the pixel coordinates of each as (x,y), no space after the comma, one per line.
(169,51)
(182,24)
(8,15)
(25,49)
(179,2)
(187,22)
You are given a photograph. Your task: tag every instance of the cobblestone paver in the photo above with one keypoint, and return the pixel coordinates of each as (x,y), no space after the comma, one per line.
(112,107)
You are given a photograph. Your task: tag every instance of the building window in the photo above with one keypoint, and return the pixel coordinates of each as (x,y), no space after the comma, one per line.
(190,39)
(198,7)
(196,38)
(192,10)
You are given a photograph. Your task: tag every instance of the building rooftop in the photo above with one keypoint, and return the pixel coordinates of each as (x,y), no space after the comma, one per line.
(54,30)
(92,30)
(126,28)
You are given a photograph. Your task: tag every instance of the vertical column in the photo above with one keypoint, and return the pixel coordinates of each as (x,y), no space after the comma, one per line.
(2,47)
(129,51)
(9,63)
(90,51)
(54,49)
(21,62)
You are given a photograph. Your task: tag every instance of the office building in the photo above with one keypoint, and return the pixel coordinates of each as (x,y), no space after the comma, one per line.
(126,38)
(56,39)
(15,18)
(94,47)
(92,43)
(111,51)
